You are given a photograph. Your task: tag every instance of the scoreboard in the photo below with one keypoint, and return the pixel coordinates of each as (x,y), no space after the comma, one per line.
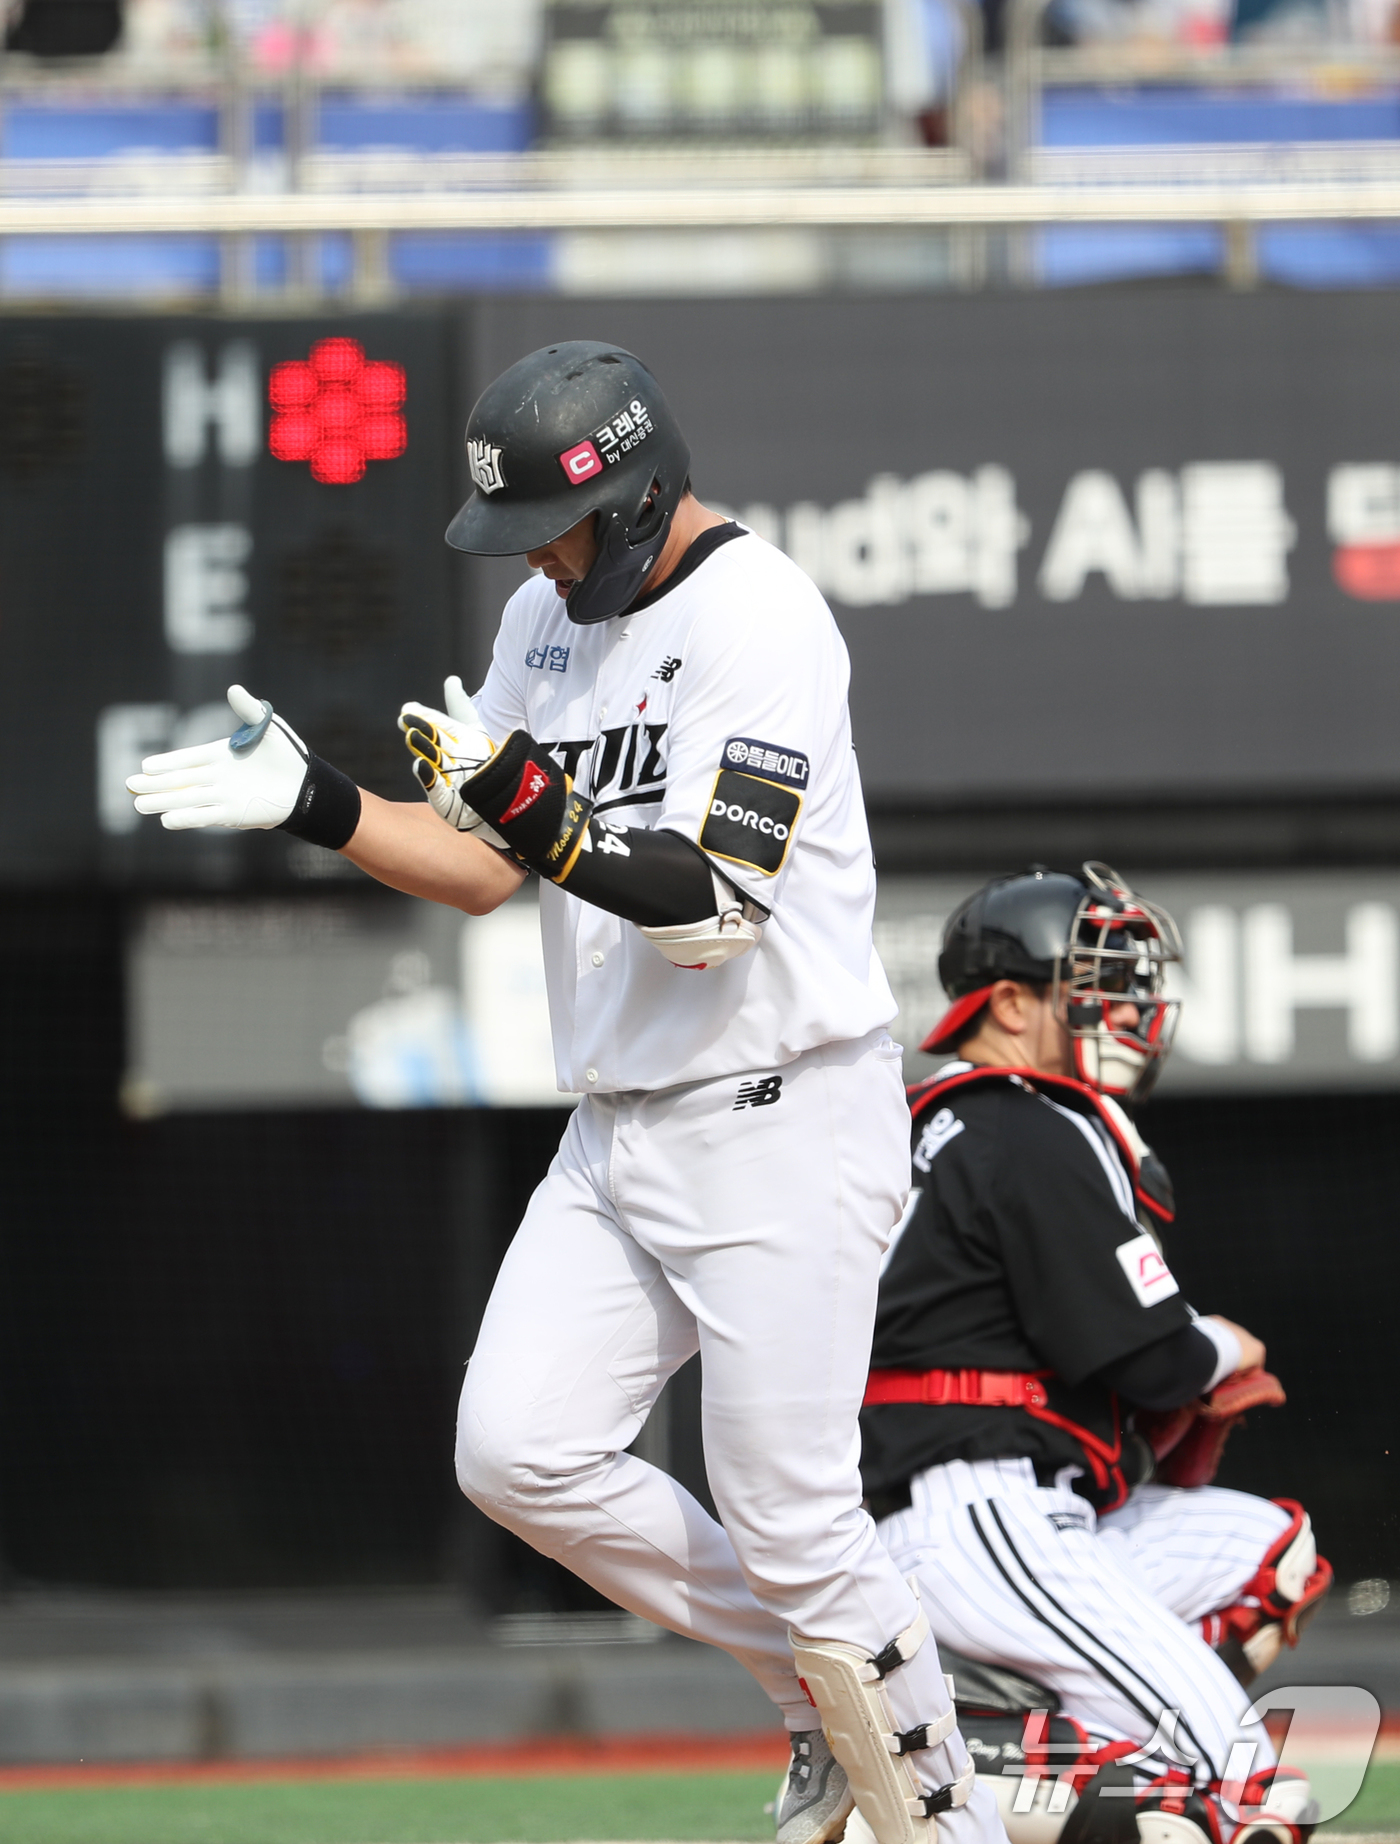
(186,503)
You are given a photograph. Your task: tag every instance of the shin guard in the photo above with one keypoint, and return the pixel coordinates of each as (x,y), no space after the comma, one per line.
(846,1683)
(1275,1604)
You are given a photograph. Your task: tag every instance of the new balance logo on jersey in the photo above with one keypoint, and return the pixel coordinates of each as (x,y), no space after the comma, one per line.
(758,1094)
(668,669)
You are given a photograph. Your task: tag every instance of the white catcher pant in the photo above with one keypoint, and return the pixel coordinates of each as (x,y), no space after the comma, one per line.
(672,1222)
(1021,1575)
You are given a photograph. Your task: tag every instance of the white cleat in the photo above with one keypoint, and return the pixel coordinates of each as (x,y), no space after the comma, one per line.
(814,1800)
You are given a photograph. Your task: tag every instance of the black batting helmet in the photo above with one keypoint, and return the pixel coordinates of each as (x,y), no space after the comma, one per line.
(1090,938)
(574,429)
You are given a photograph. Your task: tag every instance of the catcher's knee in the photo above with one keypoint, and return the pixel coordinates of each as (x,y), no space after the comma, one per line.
(1276,1602)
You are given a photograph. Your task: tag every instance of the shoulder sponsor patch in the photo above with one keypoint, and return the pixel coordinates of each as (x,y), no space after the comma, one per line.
(788,766)
(750,821)
(937,1132)
(1148,1274)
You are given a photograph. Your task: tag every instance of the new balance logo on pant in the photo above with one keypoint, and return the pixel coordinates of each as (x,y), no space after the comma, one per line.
(760,1094)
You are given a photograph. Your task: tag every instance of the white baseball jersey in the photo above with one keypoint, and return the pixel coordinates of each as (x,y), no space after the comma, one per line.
(719,711)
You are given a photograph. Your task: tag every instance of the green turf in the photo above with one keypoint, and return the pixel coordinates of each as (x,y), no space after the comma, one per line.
(487,1811)
(705,1805)
(1377,1806)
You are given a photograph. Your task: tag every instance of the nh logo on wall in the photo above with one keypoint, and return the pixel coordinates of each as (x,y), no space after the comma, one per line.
(1246,986)
(1288,981)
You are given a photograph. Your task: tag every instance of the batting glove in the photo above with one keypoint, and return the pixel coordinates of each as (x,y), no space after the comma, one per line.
(261,777)
(448,748)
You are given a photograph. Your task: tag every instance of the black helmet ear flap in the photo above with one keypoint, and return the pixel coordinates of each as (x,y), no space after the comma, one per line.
(618,572)
(651,516)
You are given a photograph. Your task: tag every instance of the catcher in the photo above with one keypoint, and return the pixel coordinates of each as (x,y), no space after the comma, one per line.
(1045,1412)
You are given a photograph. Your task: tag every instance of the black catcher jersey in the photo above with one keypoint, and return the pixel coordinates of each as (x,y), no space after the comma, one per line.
(1026,1248)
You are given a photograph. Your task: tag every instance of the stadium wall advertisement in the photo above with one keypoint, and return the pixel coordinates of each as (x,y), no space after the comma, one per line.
(1148,539)
(1146,543)
(1289,982)
(1149,542)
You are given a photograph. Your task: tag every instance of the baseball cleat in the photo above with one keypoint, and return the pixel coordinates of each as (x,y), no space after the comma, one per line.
(814,1800)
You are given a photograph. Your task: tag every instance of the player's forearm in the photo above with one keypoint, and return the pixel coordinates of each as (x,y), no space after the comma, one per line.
(1166,1374)
(407,846)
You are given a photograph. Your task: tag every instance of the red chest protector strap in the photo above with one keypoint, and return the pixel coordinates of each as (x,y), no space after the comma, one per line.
(1151,1186)
(1006,1389)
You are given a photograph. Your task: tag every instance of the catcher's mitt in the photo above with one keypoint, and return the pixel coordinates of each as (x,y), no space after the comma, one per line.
(1187,1442)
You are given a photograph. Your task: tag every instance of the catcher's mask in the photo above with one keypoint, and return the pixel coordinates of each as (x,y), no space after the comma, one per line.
(1099,947)
(571,430)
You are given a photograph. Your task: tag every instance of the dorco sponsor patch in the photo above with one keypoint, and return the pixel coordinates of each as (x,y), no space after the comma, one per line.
(789,766)
(750,821)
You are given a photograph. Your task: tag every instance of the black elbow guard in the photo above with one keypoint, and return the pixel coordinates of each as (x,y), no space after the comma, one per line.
(653,879)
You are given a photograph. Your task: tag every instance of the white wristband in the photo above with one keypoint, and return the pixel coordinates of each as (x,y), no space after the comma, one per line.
(1227,1348)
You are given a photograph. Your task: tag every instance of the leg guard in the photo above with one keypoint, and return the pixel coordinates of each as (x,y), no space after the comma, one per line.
(1275,1604)
(1112,1809)
(846,1684)
(1276,1807)
(1032,1765)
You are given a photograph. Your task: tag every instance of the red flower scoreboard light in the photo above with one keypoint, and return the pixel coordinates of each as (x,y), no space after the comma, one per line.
(338,410)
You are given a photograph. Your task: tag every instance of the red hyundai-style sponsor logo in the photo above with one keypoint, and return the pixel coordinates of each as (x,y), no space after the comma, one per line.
(581,463)
(1151,1268)
(533,783)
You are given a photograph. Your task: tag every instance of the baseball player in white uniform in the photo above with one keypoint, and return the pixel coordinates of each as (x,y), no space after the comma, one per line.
(663,738)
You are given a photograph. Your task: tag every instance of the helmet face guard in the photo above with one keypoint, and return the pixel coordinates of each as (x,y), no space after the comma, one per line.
(575,430)
(1109,987)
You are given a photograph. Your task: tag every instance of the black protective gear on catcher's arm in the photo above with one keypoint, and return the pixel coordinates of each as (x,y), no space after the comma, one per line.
(1164,1375)
(570,430)
(654,879)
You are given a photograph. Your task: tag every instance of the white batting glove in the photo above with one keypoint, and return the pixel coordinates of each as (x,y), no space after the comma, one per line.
(448,748)
(251,780)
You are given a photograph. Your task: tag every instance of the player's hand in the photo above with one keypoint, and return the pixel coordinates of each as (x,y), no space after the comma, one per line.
(1252,1351)
(448,748)
(250,780)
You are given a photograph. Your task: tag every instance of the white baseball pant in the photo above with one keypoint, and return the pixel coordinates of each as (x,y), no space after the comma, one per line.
(678,1220)
(1025,1576)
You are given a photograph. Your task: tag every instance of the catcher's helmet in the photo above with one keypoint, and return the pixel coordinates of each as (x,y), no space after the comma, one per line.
(1087,936)
(575,429)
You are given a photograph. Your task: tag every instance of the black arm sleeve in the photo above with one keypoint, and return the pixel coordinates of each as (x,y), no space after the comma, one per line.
(655,879)
(1166,1374)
